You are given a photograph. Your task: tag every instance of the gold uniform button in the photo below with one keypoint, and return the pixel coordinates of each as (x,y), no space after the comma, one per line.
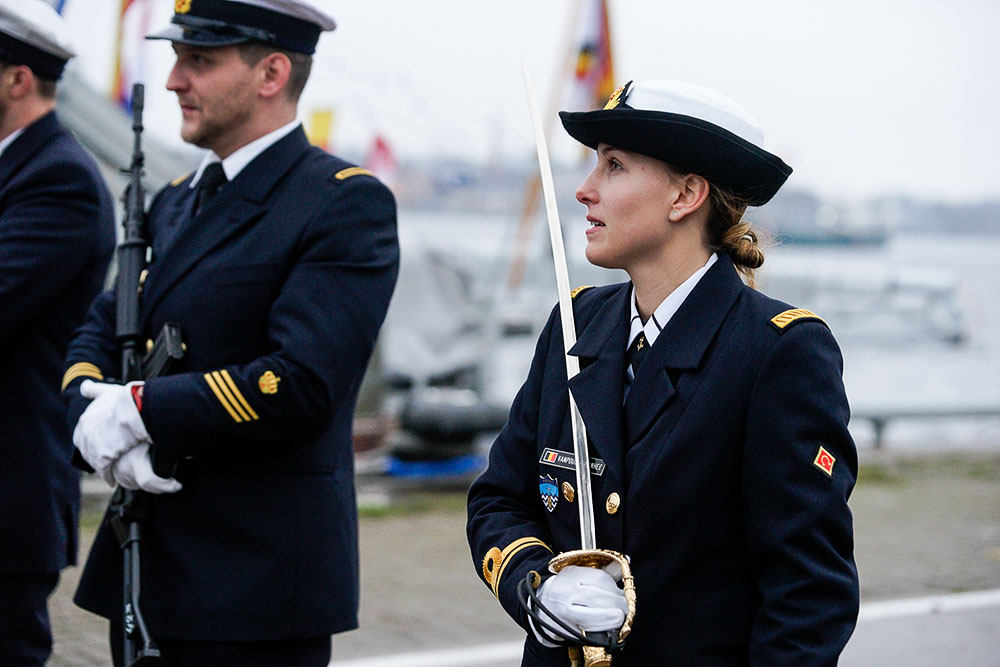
(613,503)
(149,345)
(568,493)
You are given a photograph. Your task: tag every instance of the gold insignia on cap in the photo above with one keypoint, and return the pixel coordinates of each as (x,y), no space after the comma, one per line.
(615,99)
(182,6)
(568,492)
(824,461)
(352,171)
(268,383)
(613,503)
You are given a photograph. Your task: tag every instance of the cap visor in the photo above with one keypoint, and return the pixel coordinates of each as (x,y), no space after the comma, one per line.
(179,35)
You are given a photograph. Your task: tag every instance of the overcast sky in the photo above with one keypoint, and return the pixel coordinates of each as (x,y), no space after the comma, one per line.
(861,97)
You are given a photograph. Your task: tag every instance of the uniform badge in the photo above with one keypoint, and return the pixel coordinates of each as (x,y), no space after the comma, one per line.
(616,98)
(560,459)
(182,6)
(568,492)
(824,461)
(549,490)
(268,383)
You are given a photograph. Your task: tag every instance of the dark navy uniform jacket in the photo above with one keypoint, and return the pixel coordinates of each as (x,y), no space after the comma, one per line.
(741,542)
(280,285)
(56,238)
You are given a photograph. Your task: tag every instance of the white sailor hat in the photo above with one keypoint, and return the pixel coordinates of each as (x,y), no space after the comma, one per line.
(294,25)
(691,127)
(33,34)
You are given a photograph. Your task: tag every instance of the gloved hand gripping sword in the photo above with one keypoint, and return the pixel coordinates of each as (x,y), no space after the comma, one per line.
(589,649)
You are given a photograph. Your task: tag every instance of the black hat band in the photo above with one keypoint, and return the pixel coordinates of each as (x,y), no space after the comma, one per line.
(43,64)
(240,21)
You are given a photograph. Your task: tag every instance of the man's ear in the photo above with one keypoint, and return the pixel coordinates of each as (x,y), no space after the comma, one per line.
(22,80)
(275,69)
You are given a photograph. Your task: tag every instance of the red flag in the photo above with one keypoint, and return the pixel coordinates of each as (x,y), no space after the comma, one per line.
(133,25)
(595,77)
(380,160)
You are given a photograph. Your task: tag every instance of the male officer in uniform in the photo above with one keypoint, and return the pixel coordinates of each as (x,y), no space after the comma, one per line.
(56,237)
(277,261)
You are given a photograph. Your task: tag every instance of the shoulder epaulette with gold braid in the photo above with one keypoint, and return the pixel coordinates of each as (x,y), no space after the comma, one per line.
(180,179)
(344,174)
(782,321)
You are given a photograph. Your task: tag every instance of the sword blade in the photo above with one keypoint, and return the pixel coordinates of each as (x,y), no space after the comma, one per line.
(583,491)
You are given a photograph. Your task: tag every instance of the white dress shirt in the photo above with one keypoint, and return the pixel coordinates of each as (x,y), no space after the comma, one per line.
(654,325)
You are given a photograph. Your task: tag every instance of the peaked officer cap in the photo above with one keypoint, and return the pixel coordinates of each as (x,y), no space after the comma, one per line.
(33,34)
(294,25)
(694,128)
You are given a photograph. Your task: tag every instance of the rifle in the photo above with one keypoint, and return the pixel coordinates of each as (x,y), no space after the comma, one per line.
(127,508)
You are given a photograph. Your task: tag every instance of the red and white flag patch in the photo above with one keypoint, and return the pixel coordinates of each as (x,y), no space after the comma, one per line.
(824,461)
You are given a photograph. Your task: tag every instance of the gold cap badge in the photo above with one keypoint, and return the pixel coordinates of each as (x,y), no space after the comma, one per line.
(616,97)
(824,461)
(268,383)
(182,6)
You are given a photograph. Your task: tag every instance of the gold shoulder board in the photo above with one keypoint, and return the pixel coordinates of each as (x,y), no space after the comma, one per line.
(180,179)
(352,171)
(781,321)
(579,289)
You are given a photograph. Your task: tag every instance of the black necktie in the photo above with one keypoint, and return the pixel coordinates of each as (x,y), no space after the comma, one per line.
(636,351)
(211,180)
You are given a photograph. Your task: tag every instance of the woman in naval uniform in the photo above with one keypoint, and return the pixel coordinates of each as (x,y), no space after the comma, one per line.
(721,463)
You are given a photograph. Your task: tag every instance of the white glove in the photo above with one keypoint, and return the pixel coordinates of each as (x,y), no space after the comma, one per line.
(582,597)
(109,427)
(134,471)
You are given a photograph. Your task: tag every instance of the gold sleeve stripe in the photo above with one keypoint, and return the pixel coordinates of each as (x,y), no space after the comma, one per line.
(81,369)
(782,320)
(222,399)
(496,561)
(229,395)
(352,171)
(236,392)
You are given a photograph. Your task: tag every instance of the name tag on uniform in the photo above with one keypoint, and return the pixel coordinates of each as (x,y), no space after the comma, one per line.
(560,459)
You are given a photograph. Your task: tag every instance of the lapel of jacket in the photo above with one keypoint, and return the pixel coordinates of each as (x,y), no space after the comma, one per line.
(680,346)
(599,385)
(26,145)
(238,205)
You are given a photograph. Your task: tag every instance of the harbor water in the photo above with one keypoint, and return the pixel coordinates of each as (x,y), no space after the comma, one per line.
(916,316)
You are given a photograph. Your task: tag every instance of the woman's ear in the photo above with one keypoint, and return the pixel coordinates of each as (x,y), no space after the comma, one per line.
(691,194)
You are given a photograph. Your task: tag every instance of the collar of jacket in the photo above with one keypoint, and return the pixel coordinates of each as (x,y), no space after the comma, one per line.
(22,148)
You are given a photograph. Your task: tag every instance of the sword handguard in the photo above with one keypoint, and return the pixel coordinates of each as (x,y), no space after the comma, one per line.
(600,559)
